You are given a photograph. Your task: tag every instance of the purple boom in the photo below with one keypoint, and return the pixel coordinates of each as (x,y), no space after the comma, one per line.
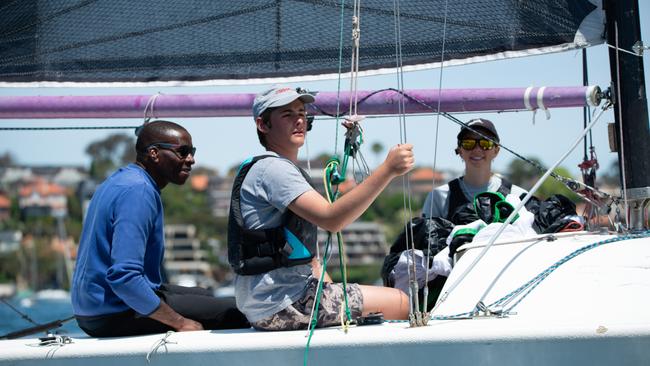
(231,105)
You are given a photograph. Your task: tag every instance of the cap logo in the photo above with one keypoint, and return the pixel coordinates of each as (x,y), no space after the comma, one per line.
(283,90)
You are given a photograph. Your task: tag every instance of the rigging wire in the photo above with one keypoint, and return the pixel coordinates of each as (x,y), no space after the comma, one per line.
(572,184)
(589,163)
(618,49)
(410,245)
(22,315)
(435,147)
(331,196)
(443,297)
(338,87)
(620,126)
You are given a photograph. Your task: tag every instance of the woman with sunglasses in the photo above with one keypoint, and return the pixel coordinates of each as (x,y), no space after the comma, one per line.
(478,147)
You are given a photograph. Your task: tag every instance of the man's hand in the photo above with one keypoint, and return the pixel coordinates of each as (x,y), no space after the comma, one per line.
(189,325)
(166,315)
(400,159)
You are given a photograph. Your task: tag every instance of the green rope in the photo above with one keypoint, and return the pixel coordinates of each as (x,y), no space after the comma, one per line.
(343,275)
(319,291)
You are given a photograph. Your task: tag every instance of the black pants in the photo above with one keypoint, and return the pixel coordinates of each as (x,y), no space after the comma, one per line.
(195,303)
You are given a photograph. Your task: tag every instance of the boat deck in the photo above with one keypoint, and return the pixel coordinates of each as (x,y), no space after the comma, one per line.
(592,310)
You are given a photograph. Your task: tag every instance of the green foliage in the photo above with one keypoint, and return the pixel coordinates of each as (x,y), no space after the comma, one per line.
(74,219)
(377,149)
(525,175)
(551,186)
(186,206)
(522,173)
(389,210)
(110,153)
(10,266)
(7,159)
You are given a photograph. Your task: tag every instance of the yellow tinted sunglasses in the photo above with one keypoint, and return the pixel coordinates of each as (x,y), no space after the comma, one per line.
(470,144)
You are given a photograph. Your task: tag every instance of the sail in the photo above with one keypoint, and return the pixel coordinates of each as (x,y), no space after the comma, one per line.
(57,42)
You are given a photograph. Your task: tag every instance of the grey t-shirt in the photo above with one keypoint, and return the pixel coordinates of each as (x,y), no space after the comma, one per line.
(269,187)
(437,201)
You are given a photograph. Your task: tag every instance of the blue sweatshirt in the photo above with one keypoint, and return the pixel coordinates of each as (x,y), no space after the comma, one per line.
(121,247)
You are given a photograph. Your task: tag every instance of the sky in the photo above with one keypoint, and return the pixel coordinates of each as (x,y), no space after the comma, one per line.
(224,142)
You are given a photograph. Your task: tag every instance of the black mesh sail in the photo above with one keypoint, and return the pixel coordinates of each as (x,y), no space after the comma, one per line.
(207,40)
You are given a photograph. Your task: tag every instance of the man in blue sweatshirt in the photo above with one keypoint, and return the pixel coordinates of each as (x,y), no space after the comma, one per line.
(117,288)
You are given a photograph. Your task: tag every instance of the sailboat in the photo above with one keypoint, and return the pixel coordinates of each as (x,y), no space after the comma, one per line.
(564,299)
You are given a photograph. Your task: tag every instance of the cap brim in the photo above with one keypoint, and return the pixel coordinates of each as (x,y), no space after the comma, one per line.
(305,98)
(481,129)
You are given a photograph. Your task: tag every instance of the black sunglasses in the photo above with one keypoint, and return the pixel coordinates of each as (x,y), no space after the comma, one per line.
(182,151)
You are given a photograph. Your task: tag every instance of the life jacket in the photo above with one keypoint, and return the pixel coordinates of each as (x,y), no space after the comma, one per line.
(258,251)
(457,197)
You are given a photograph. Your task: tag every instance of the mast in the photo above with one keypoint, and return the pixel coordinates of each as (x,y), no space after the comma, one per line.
(631,108)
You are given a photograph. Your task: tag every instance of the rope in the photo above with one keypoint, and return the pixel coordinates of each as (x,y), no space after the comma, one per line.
(354,63)
(529,286)
(162,342)
(313,321)
(22,315)
(338,87)
(345,309)
(570,183)
(521,204)
(150,107)
(331,197)
(617,49)
(435,149)
(406,198)
(620,126)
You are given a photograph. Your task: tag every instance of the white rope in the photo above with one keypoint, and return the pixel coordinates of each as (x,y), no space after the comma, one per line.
(487,247)
(354,62)
(162,342)
(150,107)
(624,50)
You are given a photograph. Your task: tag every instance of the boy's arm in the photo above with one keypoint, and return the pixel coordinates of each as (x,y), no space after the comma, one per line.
(335,216)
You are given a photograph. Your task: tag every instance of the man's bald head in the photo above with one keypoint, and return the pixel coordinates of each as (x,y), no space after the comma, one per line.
(157,131)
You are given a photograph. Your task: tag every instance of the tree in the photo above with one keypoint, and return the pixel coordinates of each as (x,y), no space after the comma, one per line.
(377,148)
(552,186)
(526,175)
(110,153)
(523,173)
(7,159)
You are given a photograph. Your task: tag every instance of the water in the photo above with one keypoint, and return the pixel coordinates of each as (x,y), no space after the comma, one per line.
(41,310)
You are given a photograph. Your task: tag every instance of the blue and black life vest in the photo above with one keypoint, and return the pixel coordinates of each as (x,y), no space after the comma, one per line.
(258,251)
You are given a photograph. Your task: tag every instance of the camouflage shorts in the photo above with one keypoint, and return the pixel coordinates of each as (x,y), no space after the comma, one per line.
(297,315)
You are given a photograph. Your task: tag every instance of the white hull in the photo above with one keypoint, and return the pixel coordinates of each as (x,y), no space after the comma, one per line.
(593,310)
